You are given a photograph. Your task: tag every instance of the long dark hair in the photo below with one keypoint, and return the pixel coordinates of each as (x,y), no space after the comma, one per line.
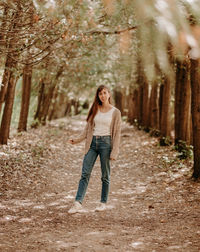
(96,103)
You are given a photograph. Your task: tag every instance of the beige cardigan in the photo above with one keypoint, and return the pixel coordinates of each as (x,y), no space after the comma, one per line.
(115,129)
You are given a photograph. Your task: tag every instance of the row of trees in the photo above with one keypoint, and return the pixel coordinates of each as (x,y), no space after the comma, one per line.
(36,48)
(146,51)
(168,108)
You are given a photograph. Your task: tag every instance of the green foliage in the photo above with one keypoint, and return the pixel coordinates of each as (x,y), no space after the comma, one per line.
(154,133)
(165,141)
(186,151)
(35,123)
(100,57)
(98,42)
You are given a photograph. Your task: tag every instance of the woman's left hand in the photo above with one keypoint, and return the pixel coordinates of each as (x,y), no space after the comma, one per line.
(112,159)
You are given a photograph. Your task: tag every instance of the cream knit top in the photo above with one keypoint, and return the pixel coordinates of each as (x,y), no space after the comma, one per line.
(115,132)
(102,123)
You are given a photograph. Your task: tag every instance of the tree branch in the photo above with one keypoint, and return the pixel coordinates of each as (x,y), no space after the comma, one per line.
(112,32)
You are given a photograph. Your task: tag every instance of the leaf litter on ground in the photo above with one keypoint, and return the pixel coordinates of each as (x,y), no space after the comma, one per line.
(154,205)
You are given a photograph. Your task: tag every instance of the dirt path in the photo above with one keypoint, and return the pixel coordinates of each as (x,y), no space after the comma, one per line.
(154,206)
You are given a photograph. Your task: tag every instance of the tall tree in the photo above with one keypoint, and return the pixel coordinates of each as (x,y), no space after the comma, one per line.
(182,102)
(195,86)
(165,123)
(10,81)
(154,107)
(8,42)
(145,105)
(46,93)
(26,93)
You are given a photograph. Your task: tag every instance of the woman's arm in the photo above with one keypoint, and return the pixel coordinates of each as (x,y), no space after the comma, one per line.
(116,136)
(80,137)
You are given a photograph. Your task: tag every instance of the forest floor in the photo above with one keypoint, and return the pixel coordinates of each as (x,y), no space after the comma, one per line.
(153,203)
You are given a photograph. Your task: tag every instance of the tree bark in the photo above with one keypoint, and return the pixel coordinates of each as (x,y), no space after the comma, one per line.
(57,98)
(160,103)
(7,113)
(68,108)
(40,98)
(154,108)
(132,106)
(195,108)
(26,94)
(136,102)
(165,109)
(8,63)
(182,102)
(145,105)
(50,95)
(177,105)
(118,97)
(3,27)
(47,102)
(8,91)
(45,96)
(6,76)
(140,105)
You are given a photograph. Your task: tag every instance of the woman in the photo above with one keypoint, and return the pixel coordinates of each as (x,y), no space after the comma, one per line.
(102,134)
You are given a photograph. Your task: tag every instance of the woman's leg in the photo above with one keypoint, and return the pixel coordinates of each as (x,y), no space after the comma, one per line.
(105,151)
(88,164)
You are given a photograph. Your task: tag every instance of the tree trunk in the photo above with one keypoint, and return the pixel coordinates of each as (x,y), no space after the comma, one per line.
(45,96)
(44,100)
(7,113)
(145,105)
(160,103)
(177,105)
(186,133)
(59,109)
(9,45)
(8,91)
(118,97)
(132,106)
(76,107)
(40,99)
(136,100)
(6,76)
(68,108)
(46,103)
(135,95)
(140,105)
(195,87)
(54,104)
(154,107)
(190,128)
(165,109)
(182,102)
(4,27)
(26,85)
(26,93)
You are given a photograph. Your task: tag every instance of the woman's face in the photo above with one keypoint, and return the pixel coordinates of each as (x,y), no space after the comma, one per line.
(104,95)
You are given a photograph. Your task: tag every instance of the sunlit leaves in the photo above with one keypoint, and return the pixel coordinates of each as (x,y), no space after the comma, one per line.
(158,22)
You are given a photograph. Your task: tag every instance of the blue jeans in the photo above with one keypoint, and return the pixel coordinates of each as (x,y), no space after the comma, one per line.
(101,145)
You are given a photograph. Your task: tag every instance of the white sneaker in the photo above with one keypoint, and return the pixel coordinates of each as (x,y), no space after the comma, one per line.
(76,208)
(101,207)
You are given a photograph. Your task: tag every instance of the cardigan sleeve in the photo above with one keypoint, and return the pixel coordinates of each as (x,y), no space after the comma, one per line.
(82,136)
(116,136)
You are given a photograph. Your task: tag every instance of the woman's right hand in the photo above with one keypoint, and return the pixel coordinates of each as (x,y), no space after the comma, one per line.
(71,141)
